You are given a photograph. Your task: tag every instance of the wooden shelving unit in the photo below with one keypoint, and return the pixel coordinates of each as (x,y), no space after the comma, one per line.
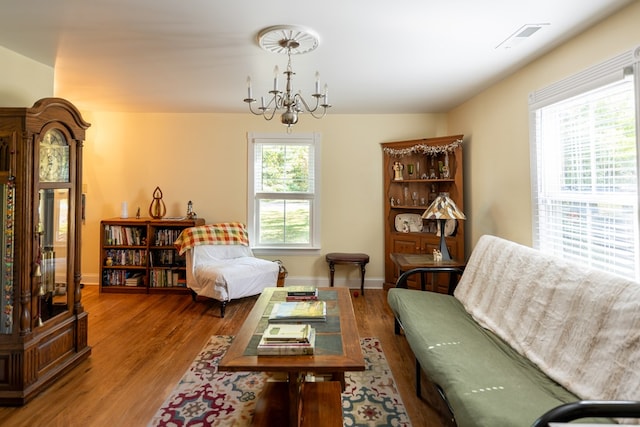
(414,193)
(137,255)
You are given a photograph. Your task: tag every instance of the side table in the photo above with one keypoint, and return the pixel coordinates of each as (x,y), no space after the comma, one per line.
(409,264)
(361,260)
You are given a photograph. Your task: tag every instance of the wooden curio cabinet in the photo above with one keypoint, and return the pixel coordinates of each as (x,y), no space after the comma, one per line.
(415,172)
(43,325)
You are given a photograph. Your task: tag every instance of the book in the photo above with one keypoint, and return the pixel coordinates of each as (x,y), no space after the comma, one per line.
(266,348)
(287,333)
(299,311)
(302,291)
(301,298)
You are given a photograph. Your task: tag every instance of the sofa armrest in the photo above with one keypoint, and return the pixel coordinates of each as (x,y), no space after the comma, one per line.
(402,283)
(590,408)
(402,280)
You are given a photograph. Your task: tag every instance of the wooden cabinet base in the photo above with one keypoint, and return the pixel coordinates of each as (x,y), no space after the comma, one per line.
(29,368)
(272,408)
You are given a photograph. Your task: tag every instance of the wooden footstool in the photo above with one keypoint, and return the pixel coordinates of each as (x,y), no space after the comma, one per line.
(347,258)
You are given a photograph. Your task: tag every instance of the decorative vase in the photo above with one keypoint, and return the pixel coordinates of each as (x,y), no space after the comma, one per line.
(157,209)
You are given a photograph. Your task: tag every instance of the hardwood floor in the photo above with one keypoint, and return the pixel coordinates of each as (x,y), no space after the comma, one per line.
(143,344)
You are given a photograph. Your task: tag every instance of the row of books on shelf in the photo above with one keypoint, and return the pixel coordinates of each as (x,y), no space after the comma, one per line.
(134,257)
(166,279)
(166,258)
(122,278)
(165,236)
(121,235)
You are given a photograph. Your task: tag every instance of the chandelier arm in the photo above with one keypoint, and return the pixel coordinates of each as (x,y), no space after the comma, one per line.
(264,111)
(299,97)
(313,111)
(268,110)
(275,102)
(250,102)
(319,116)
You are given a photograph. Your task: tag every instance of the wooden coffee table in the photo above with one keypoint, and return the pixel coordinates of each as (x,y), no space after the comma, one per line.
(298,402)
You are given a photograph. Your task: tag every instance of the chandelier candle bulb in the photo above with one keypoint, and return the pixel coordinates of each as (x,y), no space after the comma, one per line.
(326,94)
(249,94)
(276,71)
(317,82)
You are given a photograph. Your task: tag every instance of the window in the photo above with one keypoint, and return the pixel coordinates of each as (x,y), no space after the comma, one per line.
(585,168)
(284,198)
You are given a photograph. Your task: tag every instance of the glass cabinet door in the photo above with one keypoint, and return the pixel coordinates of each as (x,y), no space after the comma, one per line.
(54,203)
(53,236)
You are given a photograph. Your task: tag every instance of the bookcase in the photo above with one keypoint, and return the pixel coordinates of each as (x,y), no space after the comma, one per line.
(415,172)
(137,255)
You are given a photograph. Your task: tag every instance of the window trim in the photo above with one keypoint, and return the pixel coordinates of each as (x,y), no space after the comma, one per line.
(610,71)
(313,138)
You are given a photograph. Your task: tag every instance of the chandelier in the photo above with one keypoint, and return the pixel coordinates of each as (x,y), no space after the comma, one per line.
(290,40)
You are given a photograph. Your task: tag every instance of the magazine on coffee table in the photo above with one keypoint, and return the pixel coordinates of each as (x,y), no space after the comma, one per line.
(298,311)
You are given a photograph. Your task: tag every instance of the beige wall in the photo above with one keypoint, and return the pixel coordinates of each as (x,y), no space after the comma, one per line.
(23,81)
(497,173)
(203,158)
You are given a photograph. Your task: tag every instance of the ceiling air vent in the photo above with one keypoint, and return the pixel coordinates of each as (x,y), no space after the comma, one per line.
(520,35)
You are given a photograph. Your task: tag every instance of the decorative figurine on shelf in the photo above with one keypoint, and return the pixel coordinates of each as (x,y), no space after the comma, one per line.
(190,213)
(446,173)
(157,209)
(138,213)
(397,169)
(437,255)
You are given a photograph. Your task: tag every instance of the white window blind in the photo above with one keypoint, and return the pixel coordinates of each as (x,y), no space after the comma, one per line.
(284,196)
(585,170)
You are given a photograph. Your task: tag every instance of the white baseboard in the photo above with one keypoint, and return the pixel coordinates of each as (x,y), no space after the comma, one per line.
(90,279)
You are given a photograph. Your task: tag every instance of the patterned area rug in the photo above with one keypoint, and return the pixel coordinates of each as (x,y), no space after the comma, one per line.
(206,397)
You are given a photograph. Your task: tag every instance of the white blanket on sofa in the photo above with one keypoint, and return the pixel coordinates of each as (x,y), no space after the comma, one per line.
(580,326)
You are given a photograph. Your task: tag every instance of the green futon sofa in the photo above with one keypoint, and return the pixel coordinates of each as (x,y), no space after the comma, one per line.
(524,333)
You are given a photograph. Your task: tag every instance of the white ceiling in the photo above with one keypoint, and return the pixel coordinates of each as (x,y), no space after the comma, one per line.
(377,56)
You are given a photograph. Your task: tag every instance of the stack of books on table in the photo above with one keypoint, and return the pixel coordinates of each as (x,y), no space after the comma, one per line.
(298,311)
(302,293)
(287,340)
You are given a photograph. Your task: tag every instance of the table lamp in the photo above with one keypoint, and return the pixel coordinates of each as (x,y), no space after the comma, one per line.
(442,209)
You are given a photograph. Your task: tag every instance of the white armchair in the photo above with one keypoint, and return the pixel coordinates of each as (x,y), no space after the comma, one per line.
(221,265)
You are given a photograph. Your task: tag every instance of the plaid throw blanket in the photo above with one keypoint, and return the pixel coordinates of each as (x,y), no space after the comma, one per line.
(223,233)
